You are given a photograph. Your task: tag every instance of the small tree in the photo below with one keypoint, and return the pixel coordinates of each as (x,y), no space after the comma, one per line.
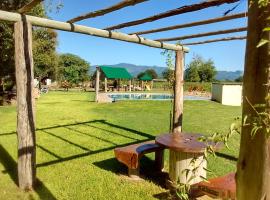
(152,73)
(200,70)
(239,79)
(73,68)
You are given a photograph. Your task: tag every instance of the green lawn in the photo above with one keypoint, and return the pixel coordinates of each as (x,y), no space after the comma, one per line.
(76,138)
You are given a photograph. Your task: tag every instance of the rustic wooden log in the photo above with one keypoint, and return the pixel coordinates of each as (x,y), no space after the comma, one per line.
(178,92)
(118,6)
(234,30)
(217,40)
(106,84)
(36,21)
(180,162)
(29,6)
(129,85)
(97,83)
(25,105)
(177,11)
(253,177)
(192,24)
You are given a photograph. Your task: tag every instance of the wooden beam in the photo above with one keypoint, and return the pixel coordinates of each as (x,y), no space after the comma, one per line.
(178,92)
(29,6)
(105,84)
(198,23)
(37,21)
(177,11)
(203,34)
(97,83)
(253,167)
(25,105)
(118,6)
(217,40)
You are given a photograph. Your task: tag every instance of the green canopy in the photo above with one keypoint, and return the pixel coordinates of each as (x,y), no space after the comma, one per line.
(146,77)
(115,72)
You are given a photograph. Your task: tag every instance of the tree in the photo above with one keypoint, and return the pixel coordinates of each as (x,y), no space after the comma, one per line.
(239,79)
(200,70)
(253,177)
(73,68)
(192,75)
(140,75)
(44,47)
(152,73)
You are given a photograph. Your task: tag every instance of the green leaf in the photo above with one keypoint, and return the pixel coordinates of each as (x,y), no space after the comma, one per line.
(262,42)
(266,29)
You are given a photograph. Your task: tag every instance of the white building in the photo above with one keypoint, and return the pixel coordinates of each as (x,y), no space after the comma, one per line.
(227,93)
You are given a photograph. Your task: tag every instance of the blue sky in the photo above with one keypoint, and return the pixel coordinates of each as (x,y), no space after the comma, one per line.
(228,56)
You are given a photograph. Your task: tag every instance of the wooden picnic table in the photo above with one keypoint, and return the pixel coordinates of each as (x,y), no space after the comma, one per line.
(184,147)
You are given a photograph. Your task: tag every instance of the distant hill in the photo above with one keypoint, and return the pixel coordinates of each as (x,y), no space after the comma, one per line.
(134,70)
(228,75)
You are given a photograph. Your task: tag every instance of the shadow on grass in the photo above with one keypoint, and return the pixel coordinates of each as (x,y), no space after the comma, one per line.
(11,168)
(146,169)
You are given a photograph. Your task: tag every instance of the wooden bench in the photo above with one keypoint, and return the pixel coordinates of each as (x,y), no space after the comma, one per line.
(131,155)
(221,187)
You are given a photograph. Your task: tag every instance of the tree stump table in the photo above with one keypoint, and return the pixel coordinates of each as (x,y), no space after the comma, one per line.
(186,153)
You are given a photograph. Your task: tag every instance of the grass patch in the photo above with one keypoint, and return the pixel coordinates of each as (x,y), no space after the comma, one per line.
(76,138)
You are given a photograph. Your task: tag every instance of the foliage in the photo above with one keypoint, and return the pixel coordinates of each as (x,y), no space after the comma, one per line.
(73,68)
(150,72)
(199,70)
(169,73)
(44,46)
(259,120)
(44,53)
(239,79)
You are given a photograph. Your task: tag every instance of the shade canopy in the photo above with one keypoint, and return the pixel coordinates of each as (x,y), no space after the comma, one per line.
(146,77)
(115,72)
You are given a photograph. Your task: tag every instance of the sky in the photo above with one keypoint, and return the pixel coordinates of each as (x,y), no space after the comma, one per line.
(227,56)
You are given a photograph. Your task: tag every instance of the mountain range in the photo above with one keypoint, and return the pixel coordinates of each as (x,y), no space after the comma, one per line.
(134,70)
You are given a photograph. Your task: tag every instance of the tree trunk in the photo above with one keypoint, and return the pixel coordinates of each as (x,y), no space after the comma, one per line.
(253,168)
(25,105)
(178,91)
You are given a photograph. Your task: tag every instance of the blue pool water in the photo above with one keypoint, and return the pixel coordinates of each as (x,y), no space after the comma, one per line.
(150,96)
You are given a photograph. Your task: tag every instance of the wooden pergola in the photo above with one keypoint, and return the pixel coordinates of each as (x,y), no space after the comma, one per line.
(254,159)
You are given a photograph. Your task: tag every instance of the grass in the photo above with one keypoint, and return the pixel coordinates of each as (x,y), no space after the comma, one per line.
(76,138)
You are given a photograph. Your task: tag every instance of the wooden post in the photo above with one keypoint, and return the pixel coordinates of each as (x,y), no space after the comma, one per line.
(25,105)
(105,84)
(253,168)
(129,85)
(178,91)
(97,83)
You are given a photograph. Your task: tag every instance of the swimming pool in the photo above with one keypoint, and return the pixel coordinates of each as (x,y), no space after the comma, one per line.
(150,96)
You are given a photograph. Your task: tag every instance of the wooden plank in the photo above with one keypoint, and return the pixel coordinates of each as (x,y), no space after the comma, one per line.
(104,11)
(37,21)
(253,165)
(178,92)
(97,83)
(177,11)
(216,40)
(234,30)
(198,23)
(29,6)
(25,105)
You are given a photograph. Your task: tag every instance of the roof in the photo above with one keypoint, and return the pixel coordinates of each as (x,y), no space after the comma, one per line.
(115,72)
(146,77)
